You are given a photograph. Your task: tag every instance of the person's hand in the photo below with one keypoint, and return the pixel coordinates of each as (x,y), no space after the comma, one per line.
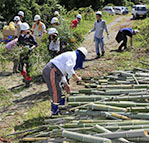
(89,32)
(67,88)
(79,79)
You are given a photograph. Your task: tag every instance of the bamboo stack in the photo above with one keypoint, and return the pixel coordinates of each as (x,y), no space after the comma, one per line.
(109,109)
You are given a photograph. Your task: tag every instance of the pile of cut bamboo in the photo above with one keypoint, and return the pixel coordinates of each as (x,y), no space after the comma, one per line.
(110,109)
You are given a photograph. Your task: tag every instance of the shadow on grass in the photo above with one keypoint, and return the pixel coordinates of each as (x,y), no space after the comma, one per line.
(17,89)
(31,123)
(92,59)
(5,74)
(43,96)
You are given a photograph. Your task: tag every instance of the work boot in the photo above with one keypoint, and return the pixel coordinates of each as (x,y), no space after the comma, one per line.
(103,53)
(54,109)
(62,102)
(98,56)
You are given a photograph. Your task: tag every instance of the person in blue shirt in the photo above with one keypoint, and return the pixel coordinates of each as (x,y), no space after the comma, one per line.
(122,36)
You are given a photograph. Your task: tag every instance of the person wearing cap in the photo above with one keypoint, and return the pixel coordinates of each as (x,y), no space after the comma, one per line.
(38,27)
(54,21)
(18,23)
(122,36)
(56,14)
(21,15)
(99,27)
(56,44)
(55,73)
(76,21)
(28,42)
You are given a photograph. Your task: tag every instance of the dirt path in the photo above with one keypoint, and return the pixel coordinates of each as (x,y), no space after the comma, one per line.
(26,98)
(96,67)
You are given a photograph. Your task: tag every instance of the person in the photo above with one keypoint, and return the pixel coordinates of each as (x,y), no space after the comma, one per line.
(21,15)
(99,27)
(56,14)
(56,44)
(38,27)
(55,73)
(122,36)
(54,22)
(18,23)
(76,21)
(27,40)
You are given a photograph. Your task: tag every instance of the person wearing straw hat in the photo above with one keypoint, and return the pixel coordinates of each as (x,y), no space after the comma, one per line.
(54,21)
(122,36)
(55,73)
(38,27)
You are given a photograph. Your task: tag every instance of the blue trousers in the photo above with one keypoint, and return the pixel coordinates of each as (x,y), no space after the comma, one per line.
(99,41)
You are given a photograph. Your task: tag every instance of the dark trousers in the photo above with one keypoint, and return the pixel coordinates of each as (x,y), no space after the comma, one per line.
(53,76)
(121,37)
(24,59)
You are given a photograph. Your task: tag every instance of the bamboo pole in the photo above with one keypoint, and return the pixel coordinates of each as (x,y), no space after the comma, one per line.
(103,130)
(85,138)
(124,134)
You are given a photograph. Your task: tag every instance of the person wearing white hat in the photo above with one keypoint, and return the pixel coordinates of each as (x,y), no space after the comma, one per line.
(122,36)
(54,42)
(38,27)
(21,15)
(18,23)
(76,21)
(54,21)
(56,14)
(99,27)
(55,73)
(28,42)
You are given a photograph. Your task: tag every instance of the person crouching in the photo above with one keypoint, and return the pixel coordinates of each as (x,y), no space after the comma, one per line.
(55,73)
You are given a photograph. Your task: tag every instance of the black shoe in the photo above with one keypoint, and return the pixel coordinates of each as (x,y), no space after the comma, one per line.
(97,57)
(119,50)
(103,53)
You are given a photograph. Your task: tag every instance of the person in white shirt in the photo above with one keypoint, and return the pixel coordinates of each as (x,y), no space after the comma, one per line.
(55,73)
(54,22)
(99,27)
(39,27)
(18,23)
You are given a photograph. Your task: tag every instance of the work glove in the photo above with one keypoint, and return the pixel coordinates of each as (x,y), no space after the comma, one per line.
(89,32)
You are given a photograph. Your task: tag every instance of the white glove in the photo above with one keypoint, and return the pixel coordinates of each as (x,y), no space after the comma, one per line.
(89,32)
(108,37)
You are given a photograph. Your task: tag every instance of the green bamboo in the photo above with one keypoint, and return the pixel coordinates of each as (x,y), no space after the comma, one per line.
(106,108)
(84,137)
(104,130)
(140,139)
(138,109)
(124,134)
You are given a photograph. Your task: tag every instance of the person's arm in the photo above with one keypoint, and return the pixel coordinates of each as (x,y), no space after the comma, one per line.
(44,28)
(105,27)
(94,29)
(131,43)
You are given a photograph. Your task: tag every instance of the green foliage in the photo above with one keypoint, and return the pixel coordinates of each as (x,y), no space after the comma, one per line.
(144,33)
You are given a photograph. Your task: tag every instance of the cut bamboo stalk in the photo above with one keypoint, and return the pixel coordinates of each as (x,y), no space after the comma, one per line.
(85,138)
(124,134)
(140,139)
(33,139)
(103,130)
(106,108)
(138,109)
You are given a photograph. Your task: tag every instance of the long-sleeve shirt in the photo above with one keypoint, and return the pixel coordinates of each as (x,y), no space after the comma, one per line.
(55,46)
(65,63)
(99,28)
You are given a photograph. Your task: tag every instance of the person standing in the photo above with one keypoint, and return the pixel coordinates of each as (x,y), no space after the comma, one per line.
(38,27)
(76,21)
(18,23)
(27,40)
(55,73)
(122,36)
(99,27)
